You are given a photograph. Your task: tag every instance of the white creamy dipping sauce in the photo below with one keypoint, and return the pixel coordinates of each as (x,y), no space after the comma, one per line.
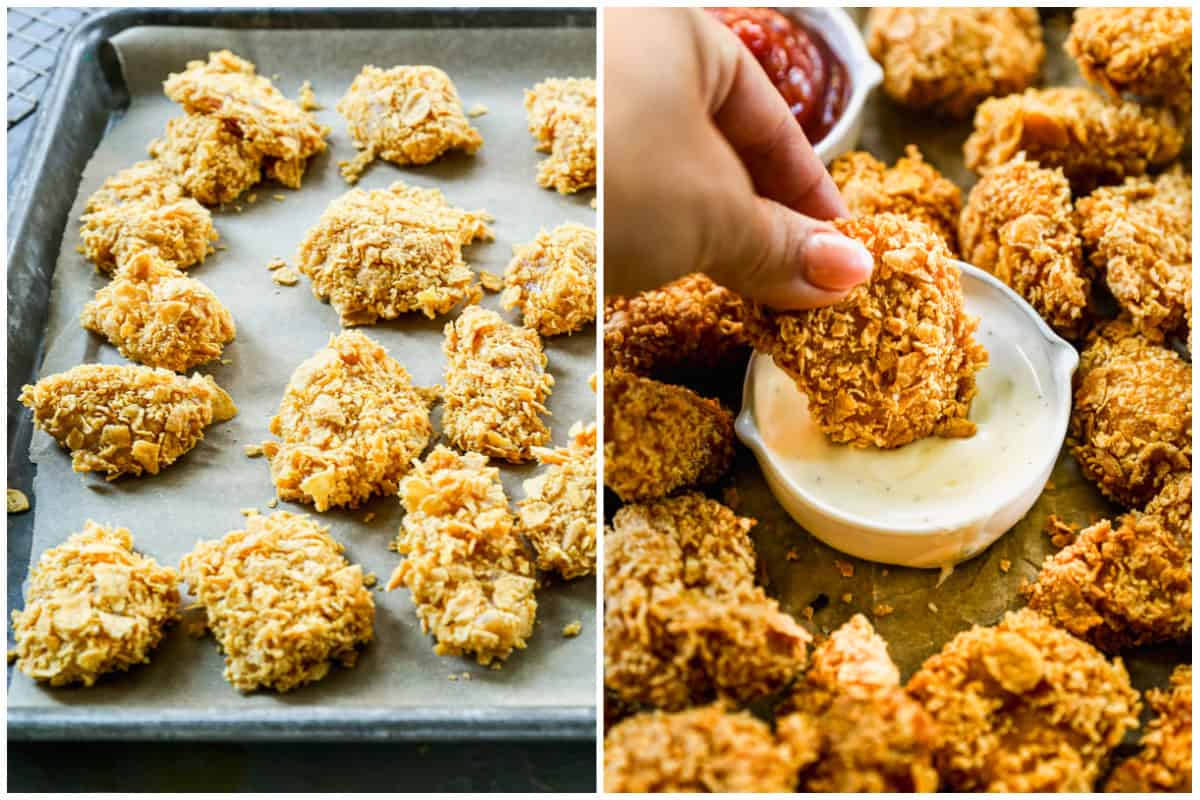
(932,482)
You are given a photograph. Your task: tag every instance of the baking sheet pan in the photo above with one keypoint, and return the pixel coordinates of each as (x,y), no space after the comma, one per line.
(399,687)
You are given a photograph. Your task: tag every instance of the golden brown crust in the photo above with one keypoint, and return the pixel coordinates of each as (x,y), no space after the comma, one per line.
(684,622)
(947,60)
(1018,224)
(1023,706)
(1144,51)
(281,600)
(553,280)
(558,512)
(659,437)
(209,161)
(1165,761)
(562,120)
(895,360)
(94,606)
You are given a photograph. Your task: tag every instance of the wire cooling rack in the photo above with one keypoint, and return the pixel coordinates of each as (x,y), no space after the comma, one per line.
(34,37)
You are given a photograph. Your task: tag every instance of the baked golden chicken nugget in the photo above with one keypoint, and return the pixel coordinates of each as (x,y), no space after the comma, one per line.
(212,163)
(1165,761)
(1144,51)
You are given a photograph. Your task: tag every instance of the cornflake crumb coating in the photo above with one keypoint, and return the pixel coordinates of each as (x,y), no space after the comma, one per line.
(1165,761)
(470,577)
(1093,139)
(1144,51)
(707,749)
(558,513)
(562,120)
(156,315)
(406,115)
(1019,225)
(281,600)
(1024,707)
(382,253)
(209,161)
(689,326)
(350,423)
(496,386)
(1127,583)
(142,208)
(895,360)
(684,622)
(553,280)
(93,606)
(1139,237)
(911,188)
(126,419)
(659,437)
(947,60)
(1131,421)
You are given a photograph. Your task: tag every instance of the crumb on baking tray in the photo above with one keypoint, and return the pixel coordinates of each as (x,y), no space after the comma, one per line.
(17,501)
(572,629)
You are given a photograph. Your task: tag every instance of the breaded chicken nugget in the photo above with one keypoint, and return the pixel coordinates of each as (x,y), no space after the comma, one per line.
(351,424)
(1024,707)
(1139,237)
(406,115)
(1018,225)
(708,749)
(212,163)
(683,621)
(125,419)
(558,513)
(1132,419)
(689,326)
(911,188)
(386,252)
(470,577)
(281,600)
(947,60)
(496,386)
(94,606)
(156,315)
(1144,51)
(562,118)
(1094,139)
(895,360)
(864,732)
(1165,761)
(553,280)
(659,437)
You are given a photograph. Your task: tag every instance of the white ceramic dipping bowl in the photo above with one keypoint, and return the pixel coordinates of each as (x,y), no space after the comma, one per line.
(954,540)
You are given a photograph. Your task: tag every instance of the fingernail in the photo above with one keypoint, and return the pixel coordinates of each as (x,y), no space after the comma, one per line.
(833,261)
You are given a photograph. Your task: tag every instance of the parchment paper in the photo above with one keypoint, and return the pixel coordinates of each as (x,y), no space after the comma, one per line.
(200,496)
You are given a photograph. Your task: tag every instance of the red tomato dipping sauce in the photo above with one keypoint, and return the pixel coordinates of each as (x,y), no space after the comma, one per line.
(798,61)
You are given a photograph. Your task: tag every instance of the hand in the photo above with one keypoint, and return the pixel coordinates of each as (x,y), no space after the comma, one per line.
(706,170)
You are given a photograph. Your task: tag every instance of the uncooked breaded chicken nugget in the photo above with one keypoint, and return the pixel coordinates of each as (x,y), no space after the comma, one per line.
(1129,583)
(1131,422)
(156,315)
(1165,761)
(553,280)
(947,60)
(707,749)
(558,513)
(684,622)
(126,419)
(1144,51)
(281,600)
(562,118)
(863,732)
(350,424)
(142,208)
(94,606)
(911,188)
(496,386)
(1018,224)
(659,437)
(895,360)
(1094,139)
(386,252)
(1139,237)
(212,163)
(470,577)
(1024,707)
(690,326)
(406,115)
